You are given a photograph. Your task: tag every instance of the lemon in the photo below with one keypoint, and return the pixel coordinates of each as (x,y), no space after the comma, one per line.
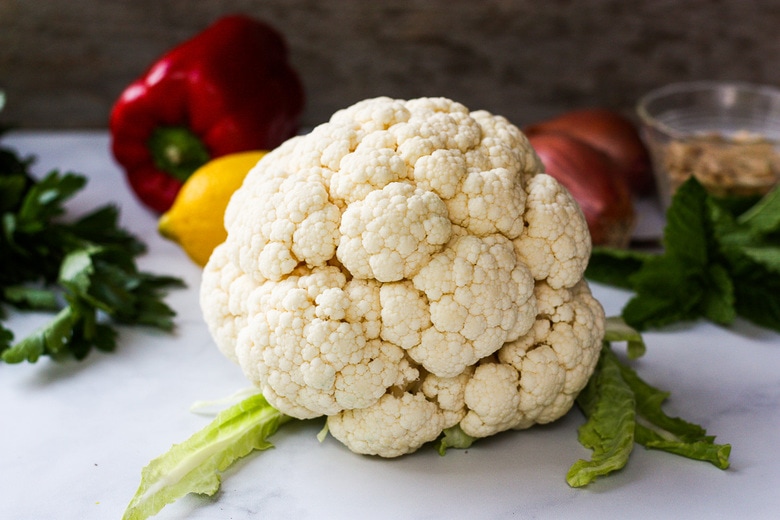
(195,219)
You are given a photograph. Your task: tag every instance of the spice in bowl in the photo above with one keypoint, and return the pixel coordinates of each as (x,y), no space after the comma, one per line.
(727,135)
(744,164)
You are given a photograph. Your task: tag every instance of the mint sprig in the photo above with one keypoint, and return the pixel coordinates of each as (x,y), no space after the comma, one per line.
(719,261)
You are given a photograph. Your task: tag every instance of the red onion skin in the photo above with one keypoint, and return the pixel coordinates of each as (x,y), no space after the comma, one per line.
(613,134)
(589,175)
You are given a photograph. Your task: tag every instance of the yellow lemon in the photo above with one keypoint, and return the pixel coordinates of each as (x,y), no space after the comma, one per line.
(195,219)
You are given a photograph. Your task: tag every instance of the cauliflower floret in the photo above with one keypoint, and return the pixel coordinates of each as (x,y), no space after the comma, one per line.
(440,172)
(557,356)
(474,302)
(539,375)
(393,426)
(393,232)
(507,146)
(404,268)
(555,243)
(405,313)
(285,221)
(492,400)
(227,287)
(372,115)
(366,169)
(489,202)
(449,393)
(303,353)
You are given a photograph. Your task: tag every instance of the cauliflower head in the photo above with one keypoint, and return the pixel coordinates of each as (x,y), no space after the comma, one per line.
(404,268)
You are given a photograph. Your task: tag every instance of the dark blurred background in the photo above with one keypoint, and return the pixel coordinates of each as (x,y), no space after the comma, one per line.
(63,63)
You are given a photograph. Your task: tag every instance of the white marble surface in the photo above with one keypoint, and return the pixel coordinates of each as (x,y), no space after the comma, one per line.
(74,436)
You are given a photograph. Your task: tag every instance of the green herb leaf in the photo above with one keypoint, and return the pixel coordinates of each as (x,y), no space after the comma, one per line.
(6,337)
(615,266)
(685,236)
(12,188)
(24,297)
(768,256)
(757,298)
(667,291)
(102,227)
(717,263)
(45,199)
(84,270)
(49,339)
(195,465)
(764,216)
(718,303)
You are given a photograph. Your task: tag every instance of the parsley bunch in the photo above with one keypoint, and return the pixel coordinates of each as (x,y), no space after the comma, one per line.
(720,260)
(82,271)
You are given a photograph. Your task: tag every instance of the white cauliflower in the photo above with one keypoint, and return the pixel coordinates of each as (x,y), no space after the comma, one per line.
(405,268)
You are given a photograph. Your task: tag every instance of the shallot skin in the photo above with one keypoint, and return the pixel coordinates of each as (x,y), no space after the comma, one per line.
(611,133)
(591,177)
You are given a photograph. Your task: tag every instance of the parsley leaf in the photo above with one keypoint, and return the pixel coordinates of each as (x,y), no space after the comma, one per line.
(84,271)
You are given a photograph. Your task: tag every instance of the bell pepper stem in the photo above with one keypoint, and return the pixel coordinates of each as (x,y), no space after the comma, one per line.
(177,151)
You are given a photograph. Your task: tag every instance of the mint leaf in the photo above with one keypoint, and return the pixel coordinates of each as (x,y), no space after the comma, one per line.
(751,241)
(685,234)
(750,246)
(685,281)
(758,299)
(718,300)
(767,256)
(719,261)
(764,216)
(667,291)
(195,465)
(615,266)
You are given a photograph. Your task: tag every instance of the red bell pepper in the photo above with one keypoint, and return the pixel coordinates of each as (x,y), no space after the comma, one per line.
(230,88)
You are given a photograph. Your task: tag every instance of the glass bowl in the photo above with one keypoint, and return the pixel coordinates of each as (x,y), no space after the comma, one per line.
(725,134)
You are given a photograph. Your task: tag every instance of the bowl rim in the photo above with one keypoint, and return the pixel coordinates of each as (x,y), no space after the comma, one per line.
(693,86)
